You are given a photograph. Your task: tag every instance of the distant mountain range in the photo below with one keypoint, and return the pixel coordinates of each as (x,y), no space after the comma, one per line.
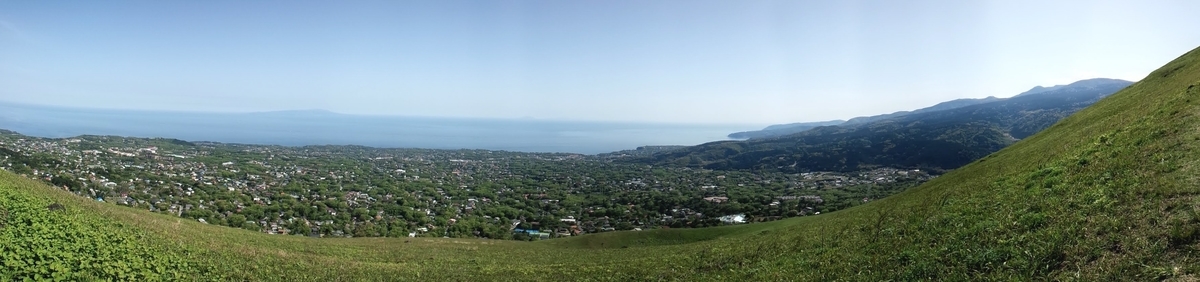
(1095,83)
(944,136)
(783,129)
(792,128)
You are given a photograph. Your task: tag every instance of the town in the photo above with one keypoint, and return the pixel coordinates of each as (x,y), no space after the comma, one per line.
(354,191)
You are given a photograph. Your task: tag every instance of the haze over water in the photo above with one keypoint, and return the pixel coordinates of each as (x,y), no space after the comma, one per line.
(298,128)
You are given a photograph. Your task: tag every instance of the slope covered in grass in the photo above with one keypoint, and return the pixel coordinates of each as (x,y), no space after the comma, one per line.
(45,239)
(1109,193)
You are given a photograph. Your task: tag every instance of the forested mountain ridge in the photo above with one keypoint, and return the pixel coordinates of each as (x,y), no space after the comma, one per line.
(1082,84)
(925,139)
(792,128)
(783,129)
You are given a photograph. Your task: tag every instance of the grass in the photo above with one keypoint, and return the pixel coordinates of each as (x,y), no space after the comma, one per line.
(1109,193)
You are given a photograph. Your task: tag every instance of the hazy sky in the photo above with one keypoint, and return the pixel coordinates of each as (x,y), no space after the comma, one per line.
(757,62)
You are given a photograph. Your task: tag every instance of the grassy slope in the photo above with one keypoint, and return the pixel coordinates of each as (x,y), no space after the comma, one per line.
(1107,194)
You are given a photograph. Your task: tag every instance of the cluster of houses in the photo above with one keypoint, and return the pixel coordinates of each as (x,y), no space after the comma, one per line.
(219,180)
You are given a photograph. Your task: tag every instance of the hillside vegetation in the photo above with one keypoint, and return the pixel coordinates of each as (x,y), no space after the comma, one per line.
(1108,194)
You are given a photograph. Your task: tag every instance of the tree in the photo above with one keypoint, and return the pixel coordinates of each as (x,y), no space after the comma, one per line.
(299,228)
(235,220)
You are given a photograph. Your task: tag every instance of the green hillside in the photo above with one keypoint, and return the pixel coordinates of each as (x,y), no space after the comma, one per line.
(1109,193)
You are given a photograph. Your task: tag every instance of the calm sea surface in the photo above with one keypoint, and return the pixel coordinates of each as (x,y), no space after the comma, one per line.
(322,128)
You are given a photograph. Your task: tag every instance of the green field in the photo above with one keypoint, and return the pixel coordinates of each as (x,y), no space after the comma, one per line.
(1110,193)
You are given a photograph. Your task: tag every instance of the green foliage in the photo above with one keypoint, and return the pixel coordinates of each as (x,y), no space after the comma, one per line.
(43,241)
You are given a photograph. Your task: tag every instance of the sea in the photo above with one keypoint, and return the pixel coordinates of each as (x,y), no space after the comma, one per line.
(314,127)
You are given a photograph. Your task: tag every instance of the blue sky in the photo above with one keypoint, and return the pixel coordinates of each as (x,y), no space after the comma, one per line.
(737,62)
